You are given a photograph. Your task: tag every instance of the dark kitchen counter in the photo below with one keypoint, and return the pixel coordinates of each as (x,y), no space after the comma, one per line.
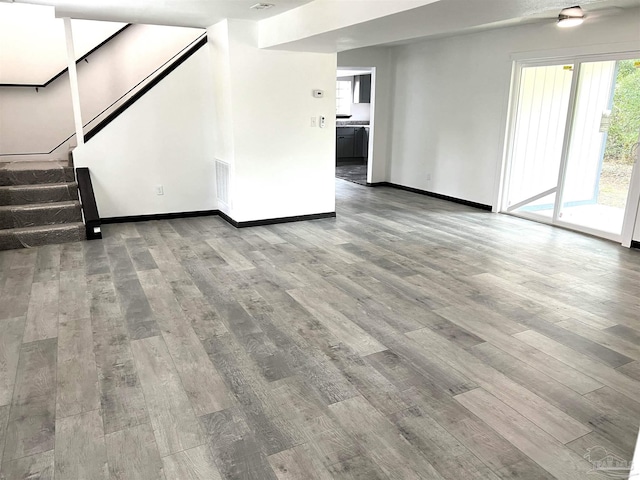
(352,123)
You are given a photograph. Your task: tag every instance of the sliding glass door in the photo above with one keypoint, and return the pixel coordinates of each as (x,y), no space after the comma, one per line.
(570,159)
(599,162)
(543,103)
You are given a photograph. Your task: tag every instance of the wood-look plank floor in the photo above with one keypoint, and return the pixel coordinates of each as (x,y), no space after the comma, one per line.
(409,338)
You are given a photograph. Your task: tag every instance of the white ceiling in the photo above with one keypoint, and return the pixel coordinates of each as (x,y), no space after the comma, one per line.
(296,27)
(183,13)
(435,19)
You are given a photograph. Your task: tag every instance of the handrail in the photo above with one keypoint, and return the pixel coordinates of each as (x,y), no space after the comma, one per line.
(191,49)
(65,70)
(200,42)
(88,202)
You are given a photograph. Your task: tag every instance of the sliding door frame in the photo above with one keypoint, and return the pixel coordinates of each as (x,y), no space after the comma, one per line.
(633,202)
(566,142)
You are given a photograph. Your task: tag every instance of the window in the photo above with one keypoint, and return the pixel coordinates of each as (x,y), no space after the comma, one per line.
(343,97)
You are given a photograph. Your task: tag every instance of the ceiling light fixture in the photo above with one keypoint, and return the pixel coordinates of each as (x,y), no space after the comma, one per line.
(262,6)
(570,17)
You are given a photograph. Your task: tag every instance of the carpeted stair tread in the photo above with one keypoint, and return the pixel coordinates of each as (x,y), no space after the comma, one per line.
(33,206)
(19,216)
(39,204)
(38,193)
(28,165)
(30,173)
(41,235)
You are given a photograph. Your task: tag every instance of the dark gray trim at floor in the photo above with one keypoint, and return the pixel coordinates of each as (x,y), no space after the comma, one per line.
(461,201)
(273,221)
(224,216)
(159,216)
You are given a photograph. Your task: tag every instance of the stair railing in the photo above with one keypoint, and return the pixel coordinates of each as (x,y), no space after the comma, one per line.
(128,98)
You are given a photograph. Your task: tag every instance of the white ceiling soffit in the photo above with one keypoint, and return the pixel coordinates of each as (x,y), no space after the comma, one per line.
(437,18)
(325,16)
(181,13)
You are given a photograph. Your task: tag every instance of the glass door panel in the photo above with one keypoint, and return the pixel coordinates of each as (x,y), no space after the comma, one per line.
(599,162)
(543,103)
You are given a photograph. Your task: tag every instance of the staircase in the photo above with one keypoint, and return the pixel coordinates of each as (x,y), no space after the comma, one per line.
(38,205)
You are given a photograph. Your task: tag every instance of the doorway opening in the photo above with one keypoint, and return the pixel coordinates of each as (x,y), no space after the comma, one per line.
(355,99)
(571,160)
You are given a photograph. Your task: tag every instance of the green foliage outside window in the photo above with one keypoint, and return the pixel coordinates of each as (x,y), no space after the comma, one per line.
(625,117)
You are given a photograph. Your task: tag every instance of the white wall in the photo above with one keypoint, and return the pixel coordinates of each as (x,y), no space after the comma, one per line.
(218,38)
(33,121)
(360,111)
(451,95)
(281,166)
(380,107)
(28,32)
(165,138)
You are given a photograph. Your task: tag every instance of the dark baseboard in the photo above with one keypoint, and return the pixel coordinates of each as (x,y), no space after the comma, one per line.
(635,244)
(273,221)
(227,218)
(224,216)
(159,216)
(468,203)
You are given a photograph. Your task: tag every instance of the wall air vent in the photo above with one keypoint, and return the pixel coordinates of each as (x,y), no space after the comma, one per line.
(222,181)
(262,6)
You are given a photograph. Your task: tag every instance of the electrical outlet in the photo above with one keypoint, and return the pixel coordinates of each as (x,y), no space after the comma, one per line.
(428,177)
(314,122)
(159,190)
